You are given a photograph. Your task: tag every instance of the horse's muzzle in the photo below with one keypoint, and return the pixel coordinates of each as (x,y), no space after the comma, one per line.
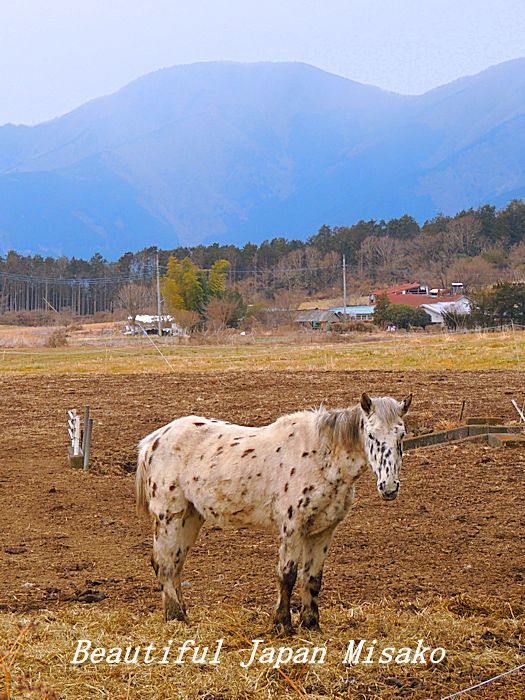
(389,495)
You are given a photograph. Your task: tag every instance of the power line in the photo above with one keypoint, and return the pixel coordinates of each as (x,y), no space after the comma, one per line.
(33,279)
(273,270)
(147,276)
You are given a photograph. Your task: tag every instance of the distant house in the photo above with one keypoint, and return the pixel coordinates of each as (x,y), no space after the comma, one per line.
(415,294)
(356,313)
(398,290)
(438,309)
(436,302)
(317,318)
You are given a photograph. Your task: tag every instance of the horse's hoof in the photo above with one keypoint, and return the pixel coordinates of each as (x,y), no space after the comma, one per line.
(282,629)
(178,616)
(173,611)
(312,625)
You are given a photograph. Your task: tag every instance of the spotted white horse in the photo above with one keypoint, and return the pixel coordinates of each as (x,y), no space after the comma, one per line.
(294,477)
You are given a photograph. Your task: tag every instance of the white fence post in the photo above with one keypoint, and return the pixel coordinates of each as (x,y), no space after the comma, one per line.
(74,430)
(76,437)
(79,448)
(518,409)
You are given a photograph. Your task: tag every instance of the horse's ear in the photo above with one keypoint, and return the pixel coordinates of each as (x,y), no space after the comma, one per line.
(405,404)
(366,403)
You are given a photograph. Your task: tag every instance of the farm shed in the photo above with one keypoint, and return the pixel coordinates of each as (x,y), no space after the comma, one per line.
(356,313)
(317,318)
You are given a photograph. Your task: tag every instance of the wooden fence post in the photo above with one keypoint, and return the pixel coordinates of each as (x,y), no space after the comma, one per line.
(86,443)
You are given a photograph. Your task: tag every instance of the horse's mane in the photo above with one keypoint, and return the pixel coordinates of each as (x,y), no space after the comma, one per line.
(387,409)
(342,426)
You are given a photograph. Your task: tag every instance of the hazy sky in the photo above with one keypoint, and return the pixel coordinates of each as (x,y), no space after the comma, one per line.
(57,54)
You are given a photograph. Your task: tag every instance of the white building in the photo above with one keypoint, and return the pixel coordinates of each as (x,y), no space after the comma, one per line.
(437,309)
(147,324)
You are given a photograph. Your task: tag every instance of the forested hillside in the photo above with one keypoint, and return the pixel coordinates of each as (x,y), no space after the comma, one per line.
(476,247)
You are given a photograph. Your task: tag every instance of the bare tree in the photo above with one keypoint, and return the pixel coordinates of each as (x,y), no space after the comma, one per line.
(432,258)
(286,303)
(380,255)
(517,260)
(463,234)
(134,299)
(220,312)
(473,272)
(187,320)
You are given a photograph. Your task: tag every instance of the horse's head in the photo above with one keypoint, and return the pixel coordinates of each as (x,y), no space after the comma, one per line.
(384,429)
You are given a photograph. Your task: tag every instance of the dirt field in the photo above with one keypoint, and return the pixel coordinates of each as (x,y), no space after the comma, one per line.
(456,528)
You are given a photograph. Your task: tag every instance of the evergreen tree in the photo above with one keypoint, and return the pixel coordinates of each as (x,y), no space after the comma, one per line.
(381,310)
(504,303)
(405,316)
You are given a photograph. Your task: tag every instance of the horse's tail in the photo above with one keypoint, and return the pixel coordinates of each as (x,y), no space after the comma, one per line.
(141,495)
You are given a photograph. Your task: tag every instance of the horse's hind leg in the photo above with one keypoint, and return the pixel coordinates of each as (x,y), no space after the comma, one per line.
(175,534)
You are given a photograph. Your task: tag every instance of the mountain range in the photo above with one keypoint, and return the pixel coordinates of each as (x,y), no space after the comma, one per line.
(230,153)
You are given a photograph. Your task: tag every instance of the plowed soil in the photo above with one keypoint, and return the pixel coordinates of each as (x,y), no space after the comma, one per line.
(66,535)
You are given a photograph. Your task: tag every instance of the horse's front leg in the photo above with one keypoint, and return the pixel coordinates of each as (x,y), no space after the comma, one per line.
(315,549)
(289,555)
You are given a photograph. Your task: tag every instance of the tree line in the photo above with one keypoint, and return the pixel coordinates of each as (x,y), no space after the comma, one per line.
(476,246)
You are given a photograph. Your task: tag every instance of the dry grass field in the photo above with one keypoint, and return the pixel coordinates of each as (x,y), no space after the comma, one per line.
(309,351)
(444,563)
(476,632)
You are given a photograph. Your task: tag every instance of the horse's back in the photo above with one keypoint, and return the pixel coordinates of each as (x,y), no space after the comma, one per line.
(234,475)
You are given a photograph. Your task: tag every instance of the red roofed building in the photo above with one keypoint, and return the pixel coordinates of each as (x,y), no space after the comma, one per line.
(416,300)
(406,288)
(414,294)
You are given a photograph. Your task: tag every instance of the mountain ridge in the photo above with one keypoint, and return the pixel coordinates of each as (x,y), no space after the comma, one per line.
(234,152)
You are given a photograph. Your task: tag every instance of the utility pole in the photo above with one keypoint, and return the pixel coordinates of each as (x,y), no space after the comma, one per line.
(50,305)
(344,284)
(158,298)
